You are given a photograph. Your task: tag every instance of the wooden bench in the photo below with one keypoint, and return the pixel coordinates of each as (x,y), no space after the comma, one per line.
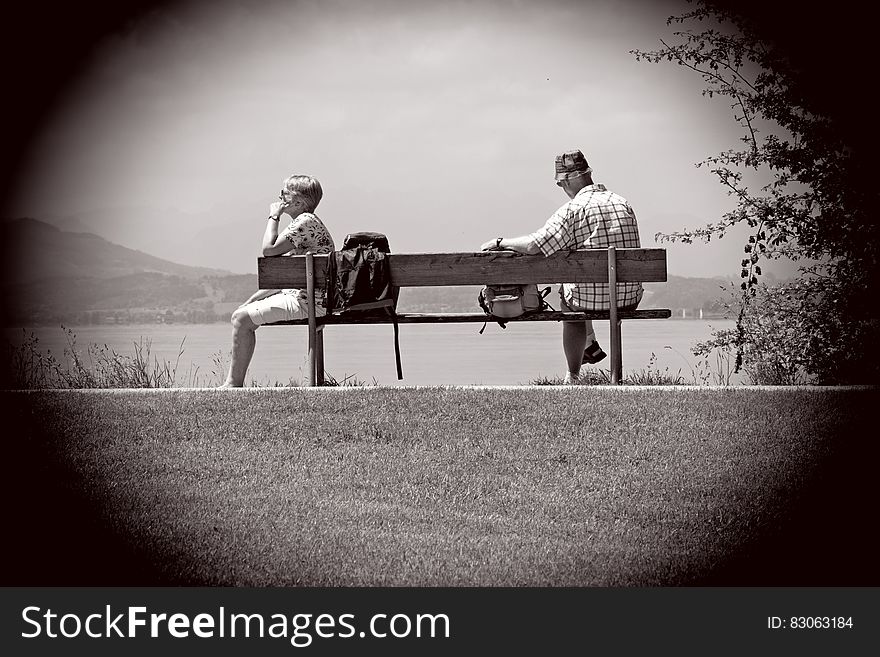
(481,268)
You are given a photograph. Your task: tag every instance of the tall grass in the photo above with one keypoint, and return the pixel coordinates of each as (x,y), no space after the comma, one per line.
(27,367)
(99,366)
(703,373)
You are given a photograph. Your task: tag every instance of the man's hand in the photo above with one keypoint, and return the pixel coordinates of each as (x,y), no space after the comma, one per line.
(524,244)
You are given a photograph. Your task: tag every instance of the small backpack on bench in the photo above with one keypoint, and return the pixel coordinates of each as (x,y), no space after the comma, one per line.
(502,302)
(359,282)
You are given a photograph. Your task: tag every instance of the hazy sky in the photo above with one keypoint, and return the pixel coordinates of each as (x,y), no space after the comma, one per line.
(435,123)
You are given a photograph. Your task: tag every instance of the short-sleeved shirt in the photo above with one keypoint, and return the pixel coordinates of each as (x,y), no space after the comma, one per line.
(306,233)
(594,218)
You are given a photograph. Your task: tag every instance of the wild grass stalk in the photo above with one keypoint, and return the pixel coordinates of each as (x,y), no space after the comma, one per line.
(27,367)
(99,366)
(700,374)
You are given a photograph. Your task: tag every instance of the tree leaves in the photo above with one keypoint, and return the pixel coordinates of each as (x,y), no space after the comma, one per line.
(819,200)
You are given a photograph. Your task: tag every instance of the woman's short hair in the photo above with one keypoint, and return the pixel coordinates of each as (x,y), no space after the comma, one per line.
(308,187)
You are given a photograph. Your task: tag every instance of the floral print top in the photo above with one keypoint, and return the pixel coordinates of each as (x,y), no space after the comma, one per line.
(306,233)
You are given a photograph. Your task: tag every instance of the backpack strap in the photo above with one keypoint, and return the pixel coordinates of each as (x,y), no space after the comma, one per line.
(397,346)
(369,305)
(544,303)
(330,282)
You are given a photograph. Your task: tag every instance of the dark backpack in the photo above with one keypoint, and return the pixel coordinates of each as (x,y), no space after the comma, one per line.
(359,282)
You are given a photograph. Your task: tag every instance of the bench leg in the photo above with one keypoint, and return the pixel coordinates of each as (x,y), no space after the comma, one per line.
(616,353)
(616,360)
(319,356)
(312,357)
(313,324)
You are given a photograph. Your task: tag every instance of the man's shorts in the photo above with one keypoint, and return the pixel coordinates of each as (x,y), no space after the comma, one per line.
(280,307)
(565,306)
(578,309)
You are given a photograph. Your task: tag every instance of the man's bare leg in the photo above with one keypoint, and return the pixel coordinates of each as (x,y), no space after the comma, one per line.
(593,353)
(574,341)
(589,333)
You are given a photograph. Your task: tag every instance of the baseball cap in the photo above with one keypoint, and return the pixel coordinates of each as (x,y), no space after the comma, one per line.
(571,164)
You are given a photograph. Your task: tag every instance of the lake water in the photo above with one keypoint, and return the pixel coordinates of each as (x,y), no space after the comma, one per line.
(449,354)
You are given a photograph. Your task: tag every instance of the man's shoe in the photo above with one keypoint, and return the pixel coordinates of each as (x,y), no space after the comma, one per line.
(571,379)
(593,354)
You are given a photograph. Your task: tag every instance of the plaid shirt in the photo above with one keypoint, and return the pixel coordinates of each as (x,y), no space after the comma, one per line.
(594,218)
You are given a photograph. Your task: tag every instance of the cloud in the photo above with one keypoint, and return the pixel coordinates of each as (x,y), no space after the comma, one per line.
(414,115)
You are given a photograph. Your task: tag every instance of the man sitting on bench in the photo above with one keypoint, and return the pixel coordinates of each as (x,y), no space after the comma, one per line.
(593,218)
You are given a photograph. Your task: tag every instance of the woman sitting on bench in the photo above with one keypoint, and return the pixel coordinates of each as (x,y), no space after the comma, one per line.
(299,197)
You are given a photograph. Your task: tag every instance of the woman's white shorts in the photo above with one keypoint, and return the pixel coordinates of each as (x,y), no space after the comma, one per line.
(280,307)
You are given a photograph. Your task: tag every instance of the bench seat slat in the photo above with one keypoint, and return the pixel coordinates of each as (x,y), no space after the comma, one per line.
(439,318)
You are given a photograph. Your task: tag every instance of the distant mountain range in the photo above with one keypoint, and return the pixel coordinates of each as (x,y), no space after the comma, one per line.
(39,251)
(55,276)
(226,239)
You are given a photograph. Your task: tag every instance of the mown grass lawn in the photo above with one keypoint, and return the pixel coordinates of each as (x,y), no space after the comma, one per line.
(442,486)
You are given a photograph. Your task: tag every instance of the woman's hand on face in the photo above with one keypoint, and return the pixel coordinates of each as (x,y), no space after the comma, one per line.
(276,208)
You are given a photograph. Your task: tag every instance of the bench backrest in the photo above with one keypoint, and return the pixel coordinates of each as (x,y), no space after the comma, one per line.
(482,268)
